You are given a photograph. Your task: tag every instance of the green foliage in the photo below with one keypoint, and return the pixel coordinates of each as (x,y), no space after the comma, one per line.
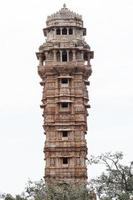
(38,191)
(10,197)
(35,190)
(116,182)
(67,192)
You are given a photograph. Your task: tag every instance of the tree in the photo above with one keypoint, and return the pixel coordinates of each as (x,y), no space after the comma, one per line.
(35,190)
(10,197)
(116,182)
(64,191)
(68,192)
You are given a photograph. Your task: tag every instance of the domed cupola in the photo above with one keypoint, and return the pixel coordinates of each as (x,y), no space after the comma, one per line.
(63,17)
(64,22)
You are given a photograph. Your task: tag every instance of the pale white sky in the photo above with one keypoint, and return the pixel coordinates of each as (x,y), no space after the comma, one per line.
(109,26)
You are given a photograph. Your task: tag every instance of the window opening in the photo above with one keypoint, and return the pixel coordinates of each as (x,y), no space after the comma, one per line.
(58,31)
(70,56)
(64,31)
(70,31)
(64,56)
(64,133)
(58,56)
(86,56)
(65,161)
(64,81)
(64,105)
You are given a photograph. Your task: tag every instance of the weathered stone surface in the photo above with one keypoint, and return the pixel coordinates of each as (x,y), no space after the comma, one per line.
(64,67)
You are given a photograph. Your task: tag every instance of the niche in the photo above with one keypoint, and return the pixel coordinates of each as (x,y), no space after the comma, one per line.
(70,31)
(58,32)
(64,56)
(64,31)
(70,56)
(58,56)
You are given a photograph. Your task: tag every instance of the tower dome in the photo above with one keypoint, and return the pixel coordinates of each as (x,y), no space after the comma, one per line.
(64,17)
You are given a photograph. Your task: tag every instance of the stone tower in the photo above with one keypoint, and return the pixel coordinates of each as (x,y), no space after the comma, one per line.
(64,67)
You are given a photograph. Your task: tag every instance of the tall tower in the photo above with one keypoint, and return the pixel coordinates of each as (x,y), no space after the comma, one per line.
(64,67)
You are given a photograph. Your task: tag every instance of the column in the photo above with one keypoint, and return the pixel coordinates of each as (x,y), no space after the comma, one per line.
(54,51)
(60,56)
(67,31)
(74,55)
(67,55)
(61,31)
(82,55)
(74,31)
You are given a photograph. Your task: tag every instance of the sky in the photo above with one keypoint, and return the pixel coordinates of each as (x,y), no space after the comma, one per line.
(109,26)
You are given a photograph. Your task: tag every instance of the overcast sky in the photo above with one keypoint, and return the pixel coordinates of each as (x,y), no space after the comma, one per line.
(109,26)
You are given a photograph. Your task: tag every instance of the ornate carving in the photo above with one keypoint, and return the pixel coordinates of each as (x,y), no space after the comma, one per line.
(64,13)
(65,107)
(79,108)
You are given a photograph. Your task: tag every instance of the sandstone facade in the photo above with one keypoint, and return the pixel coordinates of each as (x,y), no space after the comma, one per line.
(64,67)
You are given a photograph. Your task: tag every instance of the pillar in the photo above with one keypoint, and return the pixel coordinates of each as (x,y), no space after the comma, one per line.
(82,55)
(74,55)
(54,52)
(67,55)
(60,55)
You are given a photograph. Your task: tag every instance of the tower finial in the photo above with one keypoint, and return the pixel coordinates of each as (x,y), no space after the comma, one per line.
(64,5)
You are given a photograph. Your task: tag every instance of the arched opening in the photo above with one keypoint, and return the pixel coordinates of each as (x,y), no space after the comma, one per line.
(58,31)
(70,55)
(58,56)
(70,31)
(64,56)
(86,56)
(64,31)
